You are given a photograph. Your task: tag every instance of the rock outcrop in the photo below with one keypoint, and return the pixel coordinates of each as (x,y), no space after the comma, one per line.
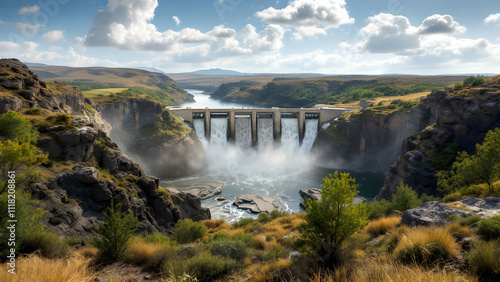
(181,156)
(201,190)
(257,203)
(368,140)
(462,121)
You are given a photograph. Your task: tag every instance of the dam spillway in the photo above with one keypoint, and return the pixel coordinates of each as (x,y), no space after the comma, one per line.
(259,127)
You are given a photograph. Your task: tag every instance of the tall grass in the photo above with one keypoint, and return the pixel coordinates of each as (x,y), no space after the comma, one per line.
(484,260)
(426,245)
(382,225)
(38,269)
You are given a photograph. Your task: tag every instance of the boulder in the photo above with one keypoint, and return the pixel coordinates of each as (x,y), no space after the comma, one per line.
(257,203)
(201,190)
(431,213)
(189,206)
(87,175)
(10,104)
(11,83)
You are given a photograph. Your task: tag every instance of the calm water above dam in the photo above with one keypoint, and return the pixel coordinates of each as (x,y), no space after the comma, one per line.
(268,169)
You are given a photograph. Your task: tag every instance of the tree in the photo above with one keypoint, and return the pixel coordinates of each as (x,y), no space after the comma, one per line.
(405,198)
(115,232)
(17,151)
(329,222)
(483,167)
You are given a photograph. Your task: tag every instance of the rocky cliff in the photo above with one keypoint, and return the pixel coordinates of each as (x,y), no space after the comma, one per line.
(370,139)
(153,137)
(86,170)
(462,119)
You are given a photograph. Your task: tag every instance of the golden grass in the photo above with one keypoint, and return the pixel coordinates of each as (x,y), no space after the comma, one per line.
(459,206)
(215,226)
(382,225)
(259,242)
(385,100)
(88,252)
(395,235)
(390,271)
(263,273)
(426,245)
(37,269)
(455,227)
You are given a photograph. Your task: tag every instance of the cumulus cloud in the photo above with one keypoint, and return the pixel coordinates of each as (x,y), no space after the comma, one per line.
(267,40)
(28,10)
(176,20)
(493,18)
(28,29)
(52,36)
(387,33)
(436,24)
(308,16)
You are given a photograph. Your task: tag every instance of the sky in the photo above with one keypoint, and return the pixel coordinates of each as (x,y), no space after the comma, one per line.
(257,36)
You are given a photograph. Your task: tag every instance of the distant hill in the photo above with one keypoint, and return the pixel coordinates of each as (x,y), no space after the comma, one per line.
(217,71)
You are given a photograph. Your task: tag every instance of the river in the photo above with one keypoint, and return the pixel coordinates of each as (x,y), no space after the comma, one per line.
(273,172)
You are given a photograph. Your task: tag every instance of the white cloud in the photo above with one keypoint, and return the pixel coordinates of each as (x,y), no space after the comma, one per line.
(28,29)
(28,10)
(436,24)
(309,16)
(176,20)
(387,33)
(267,40)
(493,18)
(54,35)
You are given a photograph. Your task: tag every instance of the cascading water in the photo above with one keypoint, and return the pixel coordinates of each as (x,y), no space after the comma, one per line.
(218,131)
(265,132)
(199,128)
(243,131)
(310,134)
(289,133)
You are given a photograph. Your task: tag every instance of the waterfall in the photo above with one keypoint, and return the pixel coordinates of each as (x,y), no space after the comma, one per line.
(289,133)
(199,128)
(265,132)
(218,131)
(310,134)
(243,131)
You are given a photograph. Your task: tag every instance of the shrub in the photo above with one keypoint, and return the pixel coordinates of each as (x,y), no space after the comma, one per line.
(466,221)
(263,217)
(405,198)
(34,111)
(382,225)
(115,233)
(159,238)
(206,267)
(187,231)
(150,256)
(233,249)
(484,260)
(48,243)
(458,231)
(489,228)
(276,213)
(395,235)
(378,209)
(243,222)
(453,197)
(426,245)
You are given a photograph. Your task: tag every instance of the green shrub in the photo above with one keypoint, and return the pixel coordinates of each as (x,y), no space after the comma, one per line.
(46,242)
(206,267)
(243,222)
(489,228)
(405,198)
(452,197)
(34,111)
(115,233)
(473,80)
(466,221)
(484,260)
(159,238)
(378,209)
(74,242)
(276,213)
(263,217)
(187,231)
(233,249)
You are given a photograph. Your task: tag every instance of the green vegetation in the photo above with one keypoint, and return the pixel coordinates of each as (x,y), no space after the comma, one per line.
(168,127)
(187,231)
(329,222)
(489,228)
(115,232)
(467,170)
(484,260)
(88,84)
(469,81)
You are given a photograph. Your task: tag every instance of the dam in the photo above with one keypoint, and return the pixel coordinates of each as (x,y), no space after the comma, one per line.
(252,127)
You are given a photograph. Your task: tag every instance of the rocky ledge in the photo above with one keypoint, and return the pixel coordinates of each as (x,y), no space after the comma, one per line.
(200,190)
(257,203)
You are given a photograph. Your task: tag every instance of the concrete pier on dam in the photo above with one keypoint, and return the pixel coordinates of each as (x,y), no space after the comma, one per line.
(323,115)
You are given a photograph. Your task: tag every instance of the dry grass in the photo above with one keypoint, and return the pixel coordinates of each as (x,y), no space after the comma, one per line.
(426,245)
(380,270)
(265,272)
(382,225)
(455,229)
(88,252)
(148,255)
(37,269)
(216,226)
(386,100)
(259,242)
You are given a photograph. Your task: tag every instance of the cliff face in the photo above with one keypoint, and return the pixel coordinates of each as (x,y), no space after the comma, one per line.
(368,140)
(164,157)
(87,169)
(462,120)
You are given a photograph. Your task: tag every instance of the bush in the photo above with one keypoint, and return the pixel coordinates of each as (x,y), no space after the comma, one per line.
(116,232)
(382,225)
(426,245)
(159,238)
(378,209)
(405,198)
(243,222)
(458,231)
(452,197)
(187,231)
(233,249)
(466,221)
(395,235)
(263,217)
(473,80)
(276,213)
(484,260)
(34,111)
(48,243)
(489,228)
(206,267)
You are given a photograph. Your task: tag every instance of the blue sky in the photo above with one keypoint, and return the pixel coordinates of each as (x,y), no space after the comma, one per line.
(323,36)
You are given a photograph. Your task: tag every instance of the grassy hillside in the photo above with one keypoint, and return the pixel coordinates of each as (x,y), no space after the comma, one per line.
(299,92)
(118,82)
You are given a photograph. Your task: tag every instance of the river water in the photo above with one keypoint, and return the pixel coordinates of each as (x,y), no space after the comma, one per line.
(274,171)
